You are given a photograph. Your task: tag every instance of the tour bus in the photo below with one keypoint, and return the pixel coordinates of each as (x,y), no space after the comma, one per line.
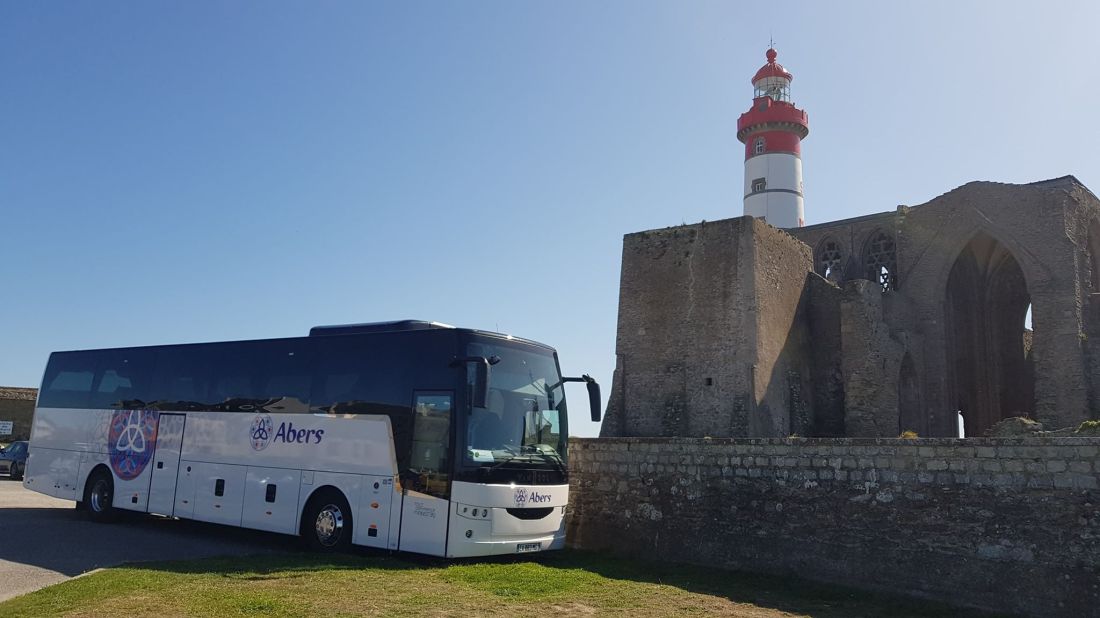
(412,436)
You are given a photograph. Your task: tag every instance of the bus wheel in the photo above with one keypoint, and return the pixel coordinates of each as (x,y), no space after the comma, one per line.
(326,523)
(98,495)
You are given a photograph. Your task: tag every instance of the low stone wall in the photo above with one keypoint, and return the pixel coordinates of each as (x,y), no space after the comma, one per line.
(1010,524)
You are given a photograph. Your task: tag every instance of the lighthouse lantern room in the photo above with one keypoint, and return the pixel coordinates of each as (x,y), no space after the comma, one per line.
(772,132)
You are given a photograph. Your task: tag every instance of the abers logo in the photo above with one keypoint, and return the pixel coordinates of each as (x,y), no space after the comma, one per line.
(262,433)
(522,497)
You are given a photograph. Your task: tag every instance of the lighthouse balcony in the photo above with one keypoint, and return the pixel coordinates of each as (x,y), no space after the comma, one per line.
(766,112)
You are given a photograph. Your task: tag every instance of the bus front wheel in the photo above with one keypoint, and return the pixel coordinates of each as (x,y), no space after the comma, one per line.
(99,493)
(326,523)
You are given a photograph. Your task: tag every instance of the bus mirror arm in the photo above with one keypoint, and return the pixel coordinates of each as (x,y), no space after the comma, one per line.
(481,384)
(594,398)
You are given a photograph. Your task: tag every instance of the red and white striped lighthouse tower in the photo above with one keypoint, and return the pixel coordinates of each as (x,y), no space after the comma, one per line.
(772,132)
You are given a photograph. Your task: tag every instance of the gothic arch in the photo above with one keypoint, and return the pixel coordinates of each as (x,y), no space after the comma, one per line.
(829,259)
(989,377)
(1093,248)
(880,259)
(909,400)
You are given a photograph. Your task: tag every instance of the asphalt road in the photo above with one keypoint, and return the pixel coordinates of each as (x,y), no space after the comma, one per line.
(44,540)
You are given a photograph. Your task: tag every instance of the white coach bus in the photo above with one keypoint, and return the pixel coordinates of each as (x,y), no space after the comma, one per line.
(411,436)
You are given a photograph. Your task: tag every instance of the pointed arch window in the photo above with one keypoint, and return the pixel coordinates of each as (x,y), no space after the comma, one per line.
(830,260)
(881,259)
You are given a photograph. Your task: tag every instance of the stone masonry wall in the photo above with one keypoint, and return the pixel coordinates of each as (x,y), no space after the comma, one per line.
(712,335)
(1004,524)
(684,336)
(17,405)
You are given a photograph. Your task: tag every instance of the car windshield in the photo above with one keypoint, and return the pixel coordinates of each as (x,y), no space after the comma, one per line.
(524,419)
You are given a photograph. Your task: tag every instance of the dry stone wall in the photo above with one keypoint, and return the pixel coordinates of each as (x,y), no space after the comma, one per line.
(1009,524)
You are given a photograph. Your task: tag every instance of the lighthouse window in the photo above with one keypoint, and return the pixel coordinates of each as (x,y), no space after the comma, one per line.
(758,146)
(759,185)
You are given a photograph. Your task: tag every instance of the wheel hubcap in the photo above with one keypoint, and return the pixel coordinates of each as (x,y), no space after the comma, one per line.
(101,496)
(329,525)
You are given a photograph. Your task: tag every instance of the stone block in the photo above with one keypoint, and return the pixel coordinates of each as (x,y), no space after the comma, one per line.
(1085,481)
(1063,480)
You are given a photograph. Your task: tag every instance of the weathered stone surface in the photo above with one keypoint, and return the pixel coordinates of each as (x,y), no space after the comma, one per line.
(17,405)
(731,328)
(1022,538)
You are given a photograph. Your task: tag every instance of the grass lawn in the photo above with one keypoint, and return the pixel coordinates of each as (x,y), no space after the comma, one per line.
(571,583)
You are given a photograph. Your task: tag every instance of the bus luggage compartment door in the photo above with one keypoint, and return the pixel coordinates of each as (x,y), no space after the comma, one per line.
(166,464)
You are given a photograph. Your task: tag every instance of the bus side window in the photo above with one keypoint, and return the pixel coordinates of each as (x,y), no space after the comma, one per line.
(123,379)
(429,461)
(68,381)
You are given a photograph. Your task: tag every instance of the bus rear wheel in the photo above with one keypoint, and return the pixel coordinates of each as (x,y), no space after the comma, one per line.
(326,523)
(99,493)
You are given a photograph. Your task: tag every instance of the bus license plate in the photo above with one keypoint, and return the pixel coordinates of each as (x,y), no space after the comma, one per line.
(522,548)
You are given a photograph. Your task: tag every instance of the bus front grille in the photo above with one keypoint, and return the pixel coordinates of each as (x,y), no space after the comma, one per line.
(538,513)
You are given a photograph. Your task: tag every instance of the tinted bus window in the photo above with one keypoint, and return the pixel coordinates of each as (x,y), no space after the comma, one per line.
(282,374)
(123,379)
(350,379)
(68,380)
(180,381)
(429,462)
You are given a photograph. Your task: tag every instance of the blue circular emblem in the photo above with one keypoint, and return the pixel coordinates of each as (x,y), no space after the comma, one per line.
(131,441)
(260,432)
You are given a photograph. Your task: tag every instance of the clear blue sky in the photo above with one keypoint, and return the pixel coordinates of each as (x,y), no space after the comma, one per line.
(202,171)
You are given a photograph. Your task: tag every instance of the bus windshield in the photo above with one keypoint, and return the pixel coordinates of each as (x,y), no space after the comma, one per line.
(524,419)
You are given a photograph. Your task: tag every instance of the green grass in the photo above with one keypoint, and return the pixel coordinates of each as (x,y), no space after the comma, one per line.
(570,583)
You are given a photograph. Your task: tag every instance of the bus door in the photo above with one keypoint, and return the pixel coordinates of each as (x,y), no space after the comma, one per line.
(425,481)
(166,464)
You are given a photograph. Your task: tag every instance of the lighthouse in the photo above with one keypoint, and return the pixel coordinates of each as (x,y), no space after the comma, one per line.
(772,133)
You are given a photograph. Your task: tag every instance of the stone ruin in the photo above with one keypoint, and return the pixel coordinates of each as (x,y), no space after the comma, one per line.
(865,327)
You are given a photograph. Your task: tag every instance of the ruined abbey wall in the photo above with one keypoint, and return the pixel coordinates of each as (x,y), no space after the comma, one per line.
(1010,525)
(713,342)
(865,327)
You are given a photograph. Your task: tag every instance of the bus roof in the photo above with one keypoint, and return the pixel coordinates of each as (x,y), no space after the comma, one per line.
(351,330)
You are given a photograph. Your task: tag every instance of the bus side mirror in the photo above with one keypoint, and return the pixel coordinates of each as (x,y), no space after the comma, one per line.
(593,394)
(594,399)
(480,395)
(481,386)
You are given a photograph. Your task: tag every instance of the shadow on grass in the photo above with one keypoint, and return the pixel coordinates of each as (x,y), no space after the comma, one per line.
(784,593)
(788,594)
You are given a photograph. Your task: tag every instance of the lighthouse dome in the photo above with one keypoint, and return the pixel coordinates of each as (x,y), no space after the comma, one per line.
(772,80)
(772,68)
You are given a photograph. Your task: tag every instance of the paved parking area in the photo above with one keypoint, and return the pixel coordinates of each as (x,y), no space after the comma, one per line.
(44,540)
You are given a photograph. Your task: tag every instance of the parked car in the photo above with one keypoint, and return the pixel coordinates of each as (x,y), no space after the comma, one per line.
(13,459)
